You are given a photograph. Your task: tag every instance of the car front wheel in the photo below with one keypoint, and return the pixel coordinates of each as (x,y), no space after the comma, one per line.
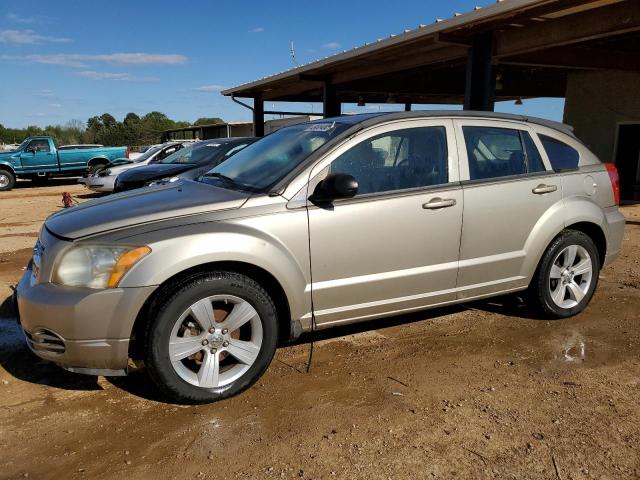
(567,275)
(212,338)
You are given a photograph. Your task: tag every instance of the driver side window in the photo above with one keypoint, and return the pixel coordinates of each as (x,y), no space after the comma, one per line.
(38,146)
(397,160)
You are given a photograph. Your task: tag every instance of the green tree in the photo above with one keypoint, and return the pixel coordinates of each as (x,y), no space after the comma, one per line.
(208,121)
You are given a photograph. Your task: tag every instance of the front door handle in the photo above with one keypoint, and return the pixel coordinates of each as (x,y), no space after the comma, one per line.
(542,188)
(438,202)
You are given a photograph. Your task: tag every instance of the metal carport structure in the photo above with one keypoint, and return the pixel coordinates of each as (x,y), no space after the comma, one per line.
(507,51)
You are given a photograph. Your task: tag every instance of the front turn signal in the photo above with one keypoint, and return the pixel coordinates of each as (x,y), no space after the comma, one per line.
(125,262)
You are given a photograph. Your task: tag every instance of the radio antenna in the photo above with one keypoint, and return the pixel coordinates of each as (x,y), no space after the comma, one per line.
(293,53)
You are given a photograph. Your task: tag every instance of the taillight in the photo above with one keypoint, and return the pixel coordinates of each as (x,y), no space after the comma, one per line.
(126,153)
(615,181)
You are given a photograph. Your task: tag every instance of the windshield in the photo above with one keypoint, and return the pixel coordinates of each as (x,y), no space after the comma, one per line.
(201,152)
(147,154)
(265,162)
(23,145)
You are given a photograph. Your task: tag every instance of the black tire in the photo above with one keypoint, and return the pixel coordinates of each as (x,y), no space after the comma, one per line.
(7,180)
(540,287)
(165,315)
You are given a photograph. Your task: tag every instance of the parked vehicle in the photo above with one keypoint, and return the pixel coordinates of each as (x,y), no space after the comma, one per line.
(319,224)
(188,163)
(40,158)
(104,179)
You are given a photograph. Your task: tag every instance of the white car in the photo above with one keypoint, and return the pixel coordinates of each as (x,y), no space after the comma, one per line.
(104,179)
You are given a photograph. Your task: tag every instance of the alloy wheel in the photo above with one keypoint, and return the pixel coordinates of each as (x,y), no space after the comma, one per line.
(570,276)
(215,341)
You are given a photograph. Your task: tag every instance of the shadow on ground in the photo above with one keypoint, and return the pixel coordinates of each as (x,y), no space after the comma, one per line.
(24,365)
(18,360)
(51,182)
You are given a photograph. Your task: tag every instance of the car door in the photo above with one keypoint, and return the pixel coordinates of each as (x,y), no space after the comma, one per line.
(38,157)
(507,188)
(394,246)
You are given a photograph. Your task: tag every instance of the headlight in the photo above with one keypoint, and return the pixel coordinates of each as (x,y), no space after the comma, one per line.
(97,266)
(164,180)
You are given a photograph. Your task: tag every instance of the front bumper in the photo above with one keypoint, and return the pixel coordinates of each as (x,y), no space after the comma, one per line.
(81,329)
(100,184)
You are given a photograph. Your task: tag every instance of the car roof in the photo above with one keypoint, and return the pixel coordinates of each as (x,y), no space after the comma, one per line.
(368,119)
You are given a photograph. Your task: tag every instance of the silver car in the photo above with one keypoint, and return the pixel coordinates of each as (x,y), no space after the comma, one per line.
(104,179)
(319,224)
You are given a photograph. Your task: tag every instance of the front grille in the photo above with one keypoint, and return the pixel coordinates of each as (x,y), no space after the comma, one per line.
(44,340)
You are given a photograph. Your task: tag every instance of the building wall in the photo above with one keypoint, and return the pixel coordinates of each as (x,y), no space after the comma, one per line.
(596,102)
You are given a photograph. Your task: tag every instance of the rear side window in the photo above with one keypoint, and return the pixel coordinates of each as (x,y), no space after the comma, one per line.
(494,152)
(561,155)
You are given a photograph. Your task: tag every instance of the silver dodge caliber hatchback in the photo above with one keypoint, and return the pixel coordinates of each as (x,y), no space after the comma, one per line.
(319,224)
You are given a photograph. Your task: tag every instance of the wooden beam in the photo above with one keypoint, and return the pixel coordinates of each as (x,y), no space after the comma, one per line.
(601,22)
(577,58)
(480,85)
(258,117)
(400,62)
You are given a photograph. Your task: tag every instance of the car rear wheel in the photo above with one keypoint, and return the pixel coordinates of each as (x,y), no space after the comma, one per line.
(213,338)
(7,180)
(567,275)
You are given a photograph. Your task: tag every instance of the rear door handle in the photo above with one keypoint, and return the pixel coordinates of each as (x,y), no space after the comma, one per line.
(438,202)
(542,188)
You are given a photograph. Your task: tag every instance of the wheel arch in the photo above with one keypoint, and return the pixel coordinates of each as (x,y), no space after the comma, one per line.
(595,232)
(577,213)
(9,168)
(287,328)
(97,160)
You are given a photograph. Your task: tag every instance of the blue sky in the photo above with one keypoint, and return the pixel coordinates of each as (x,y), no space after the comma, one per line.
(72,60)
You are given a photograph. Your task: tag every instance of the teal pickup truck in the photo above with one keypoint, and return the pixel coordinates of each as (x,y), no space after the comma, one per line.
(39,158)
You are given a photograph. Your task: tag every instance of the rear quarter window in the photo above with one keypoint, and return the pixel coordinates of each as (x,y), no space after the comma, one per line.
(562,156)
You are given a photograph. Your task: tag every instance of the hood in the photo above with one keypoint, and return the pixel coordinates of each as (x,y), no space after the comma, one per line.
(5,155)
(141,206)
(154,171)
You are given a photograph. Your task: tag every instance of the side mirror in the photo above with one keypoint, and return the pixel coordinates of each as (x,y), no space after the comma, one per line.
(334,187)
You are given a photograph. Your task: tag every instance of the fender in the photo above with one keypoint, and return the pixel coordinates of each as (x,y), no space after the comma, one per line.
(577,208)
(4,165)
(174,250)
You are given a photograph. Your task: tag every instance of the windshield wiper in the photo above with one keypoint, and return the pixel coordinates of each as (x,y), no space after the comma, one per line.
(221,177)
(228,180)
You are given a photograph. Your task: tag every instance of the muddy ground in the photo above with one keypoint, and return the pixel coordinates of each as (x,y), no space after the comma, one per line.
(484,390)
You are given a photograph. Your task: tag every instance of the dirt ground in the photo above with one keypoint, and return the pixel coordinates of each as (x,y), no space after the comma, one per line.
(483,390)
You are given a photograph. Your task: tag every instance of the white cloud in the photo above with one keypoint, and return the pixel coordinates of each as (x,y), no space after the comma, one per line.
(256,30)
(123,77)
(209,88)
(331,46)
(83,60)
(46,92)
(28,37)
(55,105)
(15,18)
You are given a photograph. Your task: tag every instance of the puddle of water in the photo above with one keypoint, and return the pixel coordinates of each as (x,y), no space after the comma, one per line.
(11,336)
(574,349)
